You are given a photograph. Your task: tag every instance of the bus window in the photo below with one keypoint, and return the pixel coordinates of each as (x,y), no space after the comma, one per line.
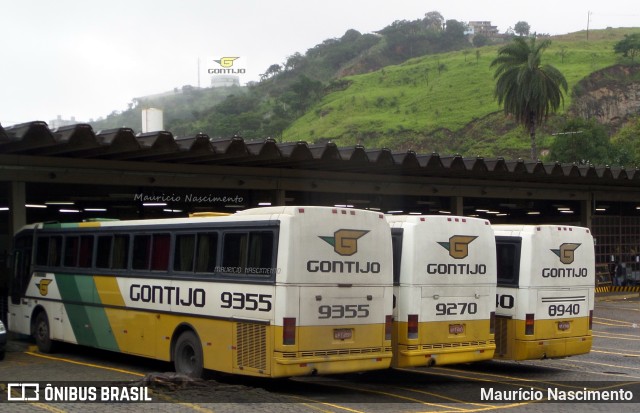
(508,261)
(183,254)
(151,252)
(103,251)
(248,253)
(160,252)
(71,251)
(141,252)
(49,251)
(206,258)
(120,255)
(78,251)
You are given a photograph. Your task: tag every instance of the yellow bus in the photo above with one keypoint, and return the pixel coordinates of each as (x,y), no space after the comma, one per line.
(270,292)
(445,286)
(545,297)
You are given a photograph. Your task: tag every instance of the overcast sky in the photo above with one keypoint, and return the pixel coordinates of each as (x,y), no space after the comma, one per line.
(86,58)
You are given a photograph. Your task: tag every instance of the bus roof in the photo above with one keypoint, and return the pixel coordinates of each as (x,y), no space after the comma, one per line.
(252,214)
(426,219)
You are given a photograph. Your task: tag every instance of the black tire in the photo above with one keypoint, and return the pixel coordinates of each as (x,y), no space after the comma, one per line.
(187,355)
(42,333)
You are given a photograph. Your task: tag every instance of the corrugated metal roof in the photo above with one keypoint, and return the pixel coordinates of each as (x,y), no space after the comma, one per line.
(81,141)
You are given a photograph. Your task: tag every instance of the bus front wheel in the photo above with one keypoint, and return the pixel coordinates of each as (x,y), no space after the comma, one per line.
(187,355)
(42,333)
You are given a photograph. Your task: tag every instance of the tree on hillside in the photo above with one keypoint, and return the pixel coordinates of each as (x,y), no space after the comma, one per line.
(626,144)
(522,28)
(583,142)
(433,20)
(528,90)
(629,46)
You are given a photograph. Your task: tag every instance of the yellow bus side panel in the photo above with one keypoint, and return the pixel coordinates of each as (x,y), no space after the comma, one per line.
(436,345)
(548,340)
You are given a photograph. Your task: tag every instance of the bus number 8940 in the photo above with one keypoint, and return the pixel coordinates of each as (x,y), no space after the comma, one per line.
(559,310)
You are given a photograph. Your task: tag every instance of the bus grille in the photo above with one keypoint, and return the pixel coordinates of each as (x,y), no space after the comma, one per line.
(251,344)
(338,352)
(462,344)
(501,335)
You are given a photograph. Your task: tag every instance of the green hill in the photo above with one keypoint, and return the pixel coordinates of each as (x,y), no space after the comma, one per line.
(426,103)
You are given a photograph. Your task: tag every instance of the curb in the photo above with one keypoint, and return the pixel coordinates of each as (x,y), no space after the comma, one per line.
(615,297)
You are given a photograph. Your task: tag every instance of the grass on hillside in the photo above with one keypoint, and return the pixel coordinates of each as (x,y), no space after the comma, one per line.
(445,91)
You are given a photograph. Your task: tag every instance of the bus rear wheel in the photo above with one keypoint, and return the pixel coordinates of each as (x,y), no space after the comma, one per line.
(42,333)
(187,355)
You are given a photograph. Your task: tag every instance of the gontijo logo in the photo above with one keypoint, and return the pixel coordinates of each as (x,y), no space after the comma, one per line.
(43,286)
(566,252)
(226,62)
(458,245)
(345,241)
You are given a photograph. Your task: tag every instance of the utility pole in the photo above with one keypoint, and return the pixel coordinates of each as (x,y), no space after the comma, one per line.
(199,70)
(588,20)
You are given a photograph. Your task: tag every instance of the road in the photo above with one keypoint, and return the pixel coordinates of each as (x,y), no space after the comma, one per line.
(613,366)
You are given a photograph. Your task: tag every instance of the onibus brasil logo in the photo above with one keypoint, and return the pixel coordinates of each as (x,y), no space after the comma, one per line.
(458,245)
(566,252)
(345,241)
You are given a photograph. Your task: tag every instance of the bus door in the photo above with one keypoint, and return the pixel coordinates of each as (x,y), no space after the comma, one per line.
(21,266)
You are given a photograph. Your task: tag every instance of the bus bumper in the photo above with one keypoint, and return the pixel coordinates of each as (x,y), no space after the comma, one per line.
(306,366)
(551,348)
(407,357)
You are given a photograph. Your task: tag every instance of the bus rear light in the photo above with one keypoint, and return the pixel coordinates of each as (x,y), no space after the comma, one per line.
(528,324)
(289,331)
(388,325)
(492,322)
(412,326)
(590,319)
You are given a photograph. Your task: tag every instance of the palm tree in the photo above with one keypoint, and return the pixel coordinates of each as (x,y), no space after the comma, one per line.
(528,90)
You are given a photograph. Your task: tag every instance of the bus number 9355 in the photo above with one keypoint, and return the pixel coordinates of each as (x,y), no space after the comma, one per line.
(249,301)
(343,311)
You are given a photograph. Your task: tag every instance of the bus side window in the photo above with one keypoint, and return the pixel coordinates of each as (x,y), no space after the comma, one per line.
(248,253)
(71,251)
(234,253)
(141,252)
(260,254)
(184,252)
(207,254)
(103,251)
(49,251)
(120,252)
(151,252)
(508,263)
(160,252)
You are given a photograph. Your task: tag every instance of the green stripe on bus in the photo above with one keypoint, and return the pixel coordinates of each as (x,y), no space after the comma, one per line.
(89,322)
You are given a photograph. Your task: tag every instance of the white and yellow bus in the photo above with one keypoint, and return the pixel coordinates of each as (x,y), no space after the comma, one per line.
(270,292)
(445,286)
(546,279)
